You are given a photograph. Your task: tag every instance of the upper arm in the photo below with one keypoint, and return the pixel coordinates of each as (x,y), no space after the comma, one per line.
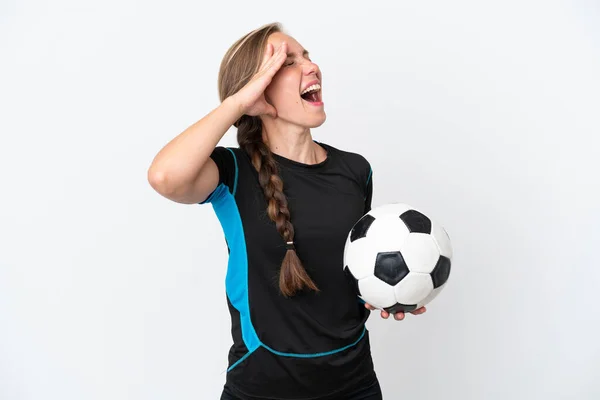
(205,183)
(219,168)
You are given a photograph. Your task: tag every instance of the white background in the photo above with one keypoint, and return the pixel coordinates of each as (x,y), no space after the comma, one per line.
(483,114)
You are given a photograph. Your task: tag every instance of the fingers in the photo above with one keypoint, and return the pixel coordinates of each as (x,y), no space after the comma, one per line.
(267,55)
(275,59)
(399,316)
(384,314)
(269,52)
(419,311)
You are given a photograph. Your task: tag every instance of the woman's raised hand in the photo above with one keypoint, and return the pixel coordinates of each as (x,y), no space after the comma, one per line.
(251,98)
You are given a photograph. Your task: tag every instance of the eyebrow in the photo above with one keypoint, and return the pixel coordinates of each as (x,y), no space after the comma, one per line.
(304,53)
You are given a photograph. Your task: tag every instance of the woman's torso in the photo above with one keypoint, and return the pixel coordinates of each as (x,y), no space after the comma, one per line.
(314,343)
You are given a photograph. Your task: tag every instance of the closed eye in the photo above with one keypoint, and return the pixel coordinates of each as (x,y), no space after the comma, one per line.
(292,56)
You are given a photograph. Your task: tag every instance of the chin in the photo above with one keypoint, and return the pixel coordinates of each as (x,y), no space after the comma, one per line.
(306,121)
(315,121)
(320,122)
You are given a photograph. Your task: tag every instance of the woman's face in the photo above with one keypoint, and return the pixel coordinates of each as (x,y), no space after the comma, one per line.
(295,90)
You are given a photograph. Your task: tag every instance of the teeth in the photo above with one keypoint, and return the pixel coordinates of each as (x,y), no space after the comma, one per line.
(312,88)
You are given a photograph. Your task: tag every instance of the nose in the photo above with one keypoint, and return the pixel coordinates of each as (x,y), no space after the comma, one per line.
(311,68)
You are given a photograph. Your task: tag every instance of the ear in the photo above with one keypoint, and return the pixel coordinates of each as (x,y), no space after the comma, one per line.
(271,110)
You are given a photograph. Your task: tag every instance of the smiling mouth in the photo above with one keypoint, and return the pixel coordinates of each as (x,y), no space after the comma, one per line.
(312,94)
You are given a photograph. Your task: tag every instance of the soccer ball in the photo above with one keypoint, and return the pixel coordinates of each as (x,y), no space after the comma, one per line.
(396,258)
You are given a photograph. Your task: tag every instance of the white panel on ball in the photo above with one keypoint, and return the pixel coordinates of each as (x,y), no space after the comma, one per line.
(420,252)
(442,240)
(380,294)
(431,296)
(413,288)
(386,234)
(360,258)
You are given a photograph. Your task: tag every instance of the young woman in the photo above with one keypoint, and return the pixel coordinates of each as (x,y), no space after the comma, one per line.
(286,204)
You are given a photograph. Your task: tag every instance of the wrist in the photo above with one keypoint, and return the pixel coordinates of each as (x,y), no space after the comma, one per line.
(233,106)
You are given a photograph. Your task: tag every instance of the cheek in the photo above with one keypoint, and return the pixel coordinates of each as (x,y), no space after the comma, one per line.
(284,90)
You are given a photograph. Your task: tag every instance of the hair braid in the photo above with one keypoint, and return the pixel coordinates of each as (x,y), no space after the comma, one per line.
(293,277)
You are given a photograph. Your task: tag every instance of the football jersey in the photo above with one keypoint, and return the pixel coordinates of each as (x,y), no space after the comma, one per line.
(314,344)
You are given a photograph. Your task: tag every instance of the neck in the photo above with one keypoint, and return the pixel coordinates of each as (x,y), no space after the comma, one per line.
(293,142)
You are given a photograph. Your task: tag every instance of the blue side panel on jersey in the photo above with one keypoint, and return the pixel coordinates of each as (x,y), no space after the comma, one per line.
(236,280)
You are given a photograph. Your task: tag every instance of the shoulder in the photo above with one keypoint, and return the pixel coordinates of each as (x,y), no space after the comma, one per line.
(229,156)
(355,161)
(234,152)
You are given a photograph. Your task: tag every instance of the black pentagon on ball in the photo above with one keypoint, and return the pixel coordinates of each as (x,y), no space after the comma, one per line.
(352,281)
(416,222)
(360,228)
(401,308)
(390,267)
(441,272)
